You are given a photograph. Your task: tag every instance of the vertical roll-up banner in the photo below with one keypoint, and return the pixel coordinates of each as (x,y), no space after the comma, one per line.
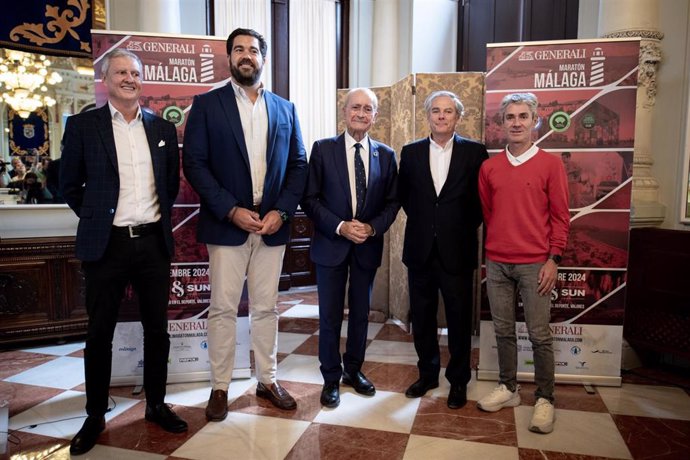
(176,68)
(587,92)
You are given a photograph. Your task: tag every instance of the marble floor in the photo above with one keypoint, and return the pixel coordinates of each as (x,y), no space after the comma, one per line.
(647,418)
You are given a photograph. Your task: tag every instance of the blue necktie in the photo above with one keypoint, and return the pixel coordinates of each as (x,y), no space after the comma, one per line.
(360,180)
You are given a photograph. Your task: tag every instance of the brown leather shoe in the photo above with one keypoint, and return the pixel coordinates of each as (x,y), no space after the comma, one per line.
(217,408)
(278,396)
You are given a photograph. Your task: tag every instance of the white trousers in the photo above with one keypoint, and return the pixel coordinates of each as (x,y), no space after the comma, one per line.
(229,265)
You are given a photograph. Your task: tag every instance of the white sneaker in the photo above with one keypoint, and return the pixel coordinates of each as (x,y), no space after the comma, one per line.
(499,398)
(543,417)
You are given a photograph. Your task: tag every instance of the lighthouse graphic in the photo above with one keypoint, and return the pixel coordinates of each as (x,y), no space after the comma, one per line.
(596,73)
(206,63)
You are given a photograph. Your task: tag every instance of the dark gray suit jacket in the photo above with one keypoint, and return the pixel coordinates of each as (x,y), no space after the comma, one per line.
(90,181)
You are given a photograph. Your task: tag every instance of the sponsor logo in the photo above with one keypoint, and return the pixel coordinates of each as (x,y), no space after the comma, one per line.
(129,349)
(596,71)
(529,362)
(174,115)
(588,121)
(134,46)
(603,352)
(560,54)
(190,359)
(575,350)
(581,365)
(561,363)
(203,345)
(559,121)
(140,364)
(526,56)
(182,347)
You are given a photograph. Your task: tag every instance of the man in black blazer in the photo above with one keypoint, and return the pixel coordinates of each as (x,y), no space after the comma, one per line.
(120,175)
(438,191)
(351,197)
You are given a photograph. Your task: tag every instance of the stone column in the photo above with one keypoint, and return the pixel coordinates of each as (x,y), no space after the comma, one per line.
(159,16)
(639,18)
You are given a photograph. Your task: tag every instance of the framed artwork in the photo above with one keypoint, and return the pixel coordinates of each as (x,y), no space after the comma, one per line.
(29,134)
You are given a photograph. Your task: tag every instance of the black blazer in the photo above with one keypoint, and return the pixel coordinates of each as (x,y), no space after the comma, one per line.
(90,181)
(452,217)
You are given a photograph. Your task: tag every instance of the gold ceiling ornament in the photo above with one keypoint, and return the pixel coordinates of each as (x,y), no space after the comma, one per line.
(23,80)
(63,23)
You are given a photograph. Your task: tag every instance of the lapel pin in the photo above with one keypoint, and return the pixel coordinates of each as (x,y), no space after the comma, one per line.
(161,143)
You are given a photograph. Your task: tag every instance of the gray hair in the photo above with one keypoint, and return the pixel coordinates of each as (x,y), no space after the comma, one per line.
(116,53)
(368,92)
(520,98)
(459,108)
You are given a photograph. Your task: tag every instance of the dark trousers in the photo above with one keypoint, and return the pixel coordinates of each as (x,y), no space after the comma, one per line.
(144,262)
(331,283)
(456,289)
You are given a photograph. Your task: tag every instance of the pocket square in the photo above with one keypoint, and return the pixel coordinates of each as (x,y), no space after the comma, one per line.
(161,143)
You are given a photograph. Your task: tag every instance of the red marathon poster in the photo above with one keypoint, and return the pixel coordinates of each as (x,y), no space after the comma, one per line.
(587,93)
(175,69)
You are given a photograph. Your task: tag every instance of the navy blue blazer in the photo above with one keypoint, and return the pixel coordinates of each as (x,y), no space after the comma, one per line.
(328,201)
(452,217)
(216,164)
(90,181)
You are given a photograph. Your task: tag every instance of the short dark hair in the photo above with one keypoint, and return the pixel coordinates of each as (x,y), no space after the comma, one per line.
(263,47)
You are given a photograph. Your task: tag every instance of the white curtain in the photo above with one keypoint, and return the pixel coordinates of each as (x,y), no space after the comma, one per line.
(247,14)
(313,67)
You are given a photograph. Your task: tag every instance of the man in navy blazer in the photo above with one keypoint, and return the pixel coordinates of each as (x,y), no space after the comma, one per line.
(351,208)
(438,191)
(120,174)
(244,156)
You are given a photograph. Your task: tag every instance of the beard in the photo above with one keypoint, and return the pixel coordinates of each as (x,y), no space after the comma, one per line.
(249,78)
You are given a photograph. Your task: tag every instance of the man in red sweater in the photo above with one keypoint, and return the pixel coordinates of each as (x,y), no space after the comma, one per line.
(524,195)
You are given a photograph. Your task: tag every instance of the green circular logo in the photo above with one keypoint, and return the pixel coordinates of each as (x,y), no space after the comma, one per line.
(174,115)
(588,121)
(559,121)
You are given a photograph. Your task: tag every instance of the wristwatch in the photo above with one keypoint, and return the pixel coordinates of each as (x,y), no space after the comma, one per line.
(556,258)
(283,215)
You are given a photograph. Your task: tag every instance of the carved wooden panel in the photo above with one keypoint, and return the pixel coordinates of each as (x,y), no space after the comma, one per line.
(41,290)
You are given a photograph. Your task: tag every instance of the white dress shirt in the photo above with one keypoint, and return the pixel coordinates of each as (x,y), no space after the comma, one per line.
(350,155)
(254,118)
(524,158)
(137,202)
(439,162)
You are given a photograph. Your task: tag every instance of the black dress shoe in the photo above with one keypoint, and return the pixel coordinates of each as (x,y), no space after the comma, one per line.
(457,397)
(88,435)
(163,415)
(420,387)
(360,383)
(330,394)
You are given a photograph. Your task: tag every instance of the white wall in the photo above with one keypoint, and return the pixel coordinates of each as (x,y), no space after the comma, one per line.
(671,109)
(434,36)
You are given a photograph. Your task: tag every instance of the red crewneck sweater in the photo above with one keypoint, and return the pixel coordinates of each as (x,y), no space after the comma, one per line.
(525,208)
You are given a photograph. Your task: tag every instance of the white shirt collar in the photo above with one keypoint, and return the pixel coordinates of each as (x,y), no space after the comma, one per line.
(442,147)
(524,158)
(350,142)
(239,91)
(114,113)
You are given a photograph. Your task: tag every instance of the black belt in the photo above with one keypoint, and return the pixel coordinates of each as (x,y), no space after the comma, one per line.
(135,231)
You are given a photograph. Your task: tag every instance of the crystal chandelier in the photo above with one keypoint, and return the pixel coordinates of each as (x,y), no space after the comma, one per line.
(23,80)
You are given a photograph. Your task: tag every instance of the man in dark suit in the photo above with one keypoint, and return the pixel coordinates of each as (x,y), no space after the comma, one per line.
(120,174)
(351,197)
(243,154)
(438,191)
